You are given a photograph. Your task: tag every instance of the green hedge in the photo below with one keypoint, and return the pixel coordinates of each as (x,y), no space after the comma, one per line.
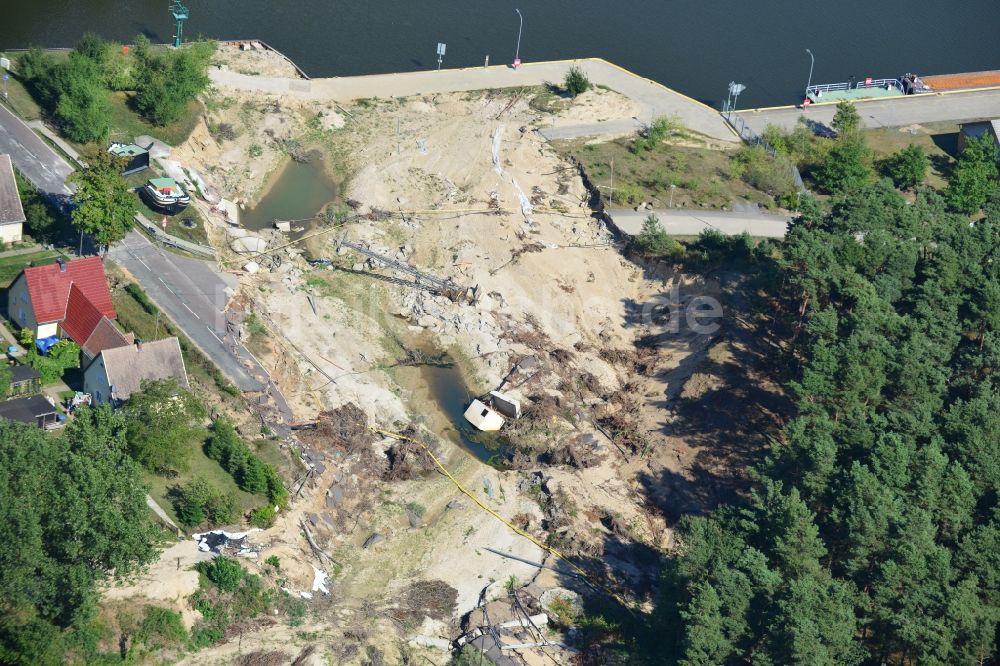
(136,292)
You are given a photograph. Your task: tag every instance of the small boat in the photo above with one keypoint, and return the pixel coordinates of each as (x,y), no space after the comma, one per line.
(165,194)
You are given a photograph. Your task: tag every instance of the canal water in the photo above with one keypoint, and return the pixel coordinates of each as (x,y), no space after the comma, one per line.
(695,46)
(298,191)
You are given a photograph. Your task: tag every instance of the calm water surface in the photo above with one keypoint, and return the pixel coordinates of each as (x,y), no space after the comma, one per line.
(299,191)
(695,46)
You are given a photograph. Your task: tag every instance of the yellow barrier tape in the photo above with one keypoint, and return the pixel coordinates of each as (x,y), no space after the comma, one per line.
(549,549)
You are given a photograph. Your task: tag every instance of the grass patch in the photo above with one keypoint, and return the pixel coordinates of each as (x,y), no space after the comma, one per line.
(940,144)
(11,267)
(21,102)
(126,124)
(204,467)
(700,176)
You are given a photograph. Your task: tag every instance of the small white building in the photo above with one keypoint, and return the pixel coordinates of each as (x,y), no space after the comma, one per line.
(119,372)
(11,212)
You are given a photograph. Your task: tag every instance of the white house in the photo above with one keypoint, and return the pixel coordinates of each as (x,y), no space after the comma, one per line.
(68,296)
(118,372)
(11,211)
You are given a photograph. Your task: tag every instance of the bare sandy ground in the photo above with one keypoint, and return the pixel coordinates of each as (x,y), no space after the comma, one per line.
(477,197)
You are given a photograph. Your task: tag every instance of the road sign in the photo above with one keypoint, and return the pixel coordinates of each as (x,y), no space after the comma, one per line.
(5,63)
(441,48)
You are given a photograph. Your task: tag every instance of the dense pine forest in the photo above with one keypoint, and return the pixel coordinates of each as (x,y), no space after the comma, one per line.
(872,534)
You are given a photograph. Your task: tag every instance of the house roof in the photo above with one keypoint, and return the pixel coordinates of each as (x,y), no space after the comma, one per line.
(81,316)
(105,336)
(23,372)
(26,410)
(49,288)
(127,367)
(11,211)
(126,149)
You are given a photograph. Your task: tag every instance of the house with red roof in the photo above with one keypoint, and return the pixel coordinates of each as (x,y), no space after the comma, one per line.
(67,299)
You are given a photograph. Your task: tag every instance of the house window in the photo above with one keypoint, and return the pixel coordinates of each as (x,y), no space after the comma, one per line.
(24,298)
(20,314)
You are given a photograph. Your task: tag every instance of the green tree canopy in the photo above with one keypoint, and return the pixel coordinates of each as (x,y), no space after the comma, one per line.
(653,240)
(846,167)
(908,167)
(162,421)
(72,514)
(167,81)
(975,175)
(105,208)
(846,120)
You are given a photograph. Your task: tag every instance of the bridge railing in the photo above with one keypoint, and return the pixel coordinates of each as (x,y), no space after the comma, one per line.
(860,85)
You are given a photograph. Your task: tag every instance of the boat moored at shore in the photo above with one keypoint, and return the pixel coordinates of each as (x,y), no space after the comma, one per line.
(165,194)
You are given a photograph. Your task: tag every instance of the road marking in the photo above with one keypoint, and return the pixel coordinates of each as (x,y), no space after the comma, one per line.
(191,311)
(214,333)
(144,264)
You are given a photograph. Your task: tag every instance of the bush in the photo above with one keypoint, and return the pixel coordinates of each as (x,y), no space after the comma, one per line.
(137,292)
(974,176)
(653,240)
(628,193)
(797,144)
(908,167)
(653,134)
(224,572)
(162,624)
(199,501)
(252,474)
(771,175)
(273,561)
(61,356)
(846,167)
(263,516)
(168,80)
(576,81)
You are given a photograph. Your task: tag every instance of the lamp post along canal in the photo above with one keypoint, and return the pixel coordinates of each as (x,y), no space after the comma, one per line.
(517,51)
(812,61)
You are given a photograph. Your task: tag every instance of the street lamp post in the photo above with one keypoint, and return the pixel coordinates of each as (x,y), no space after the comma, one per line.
(517,51)
(812,61)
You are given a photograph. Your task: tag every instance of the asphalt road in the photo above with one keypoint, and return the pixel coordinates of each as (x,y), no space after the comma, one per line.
(41,165)
(892,112)
(678,222)
(193,293)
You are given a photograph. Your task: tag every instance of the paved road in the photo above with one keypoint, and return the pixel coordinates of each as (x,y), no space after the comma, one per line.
(653,98)
(41,165)
(894,112)
(678,222)
(192,292)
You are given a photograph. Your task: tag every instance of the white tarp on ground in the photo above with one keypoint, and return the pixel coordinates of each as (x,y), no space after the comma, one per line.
(220,541)
(319,581)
